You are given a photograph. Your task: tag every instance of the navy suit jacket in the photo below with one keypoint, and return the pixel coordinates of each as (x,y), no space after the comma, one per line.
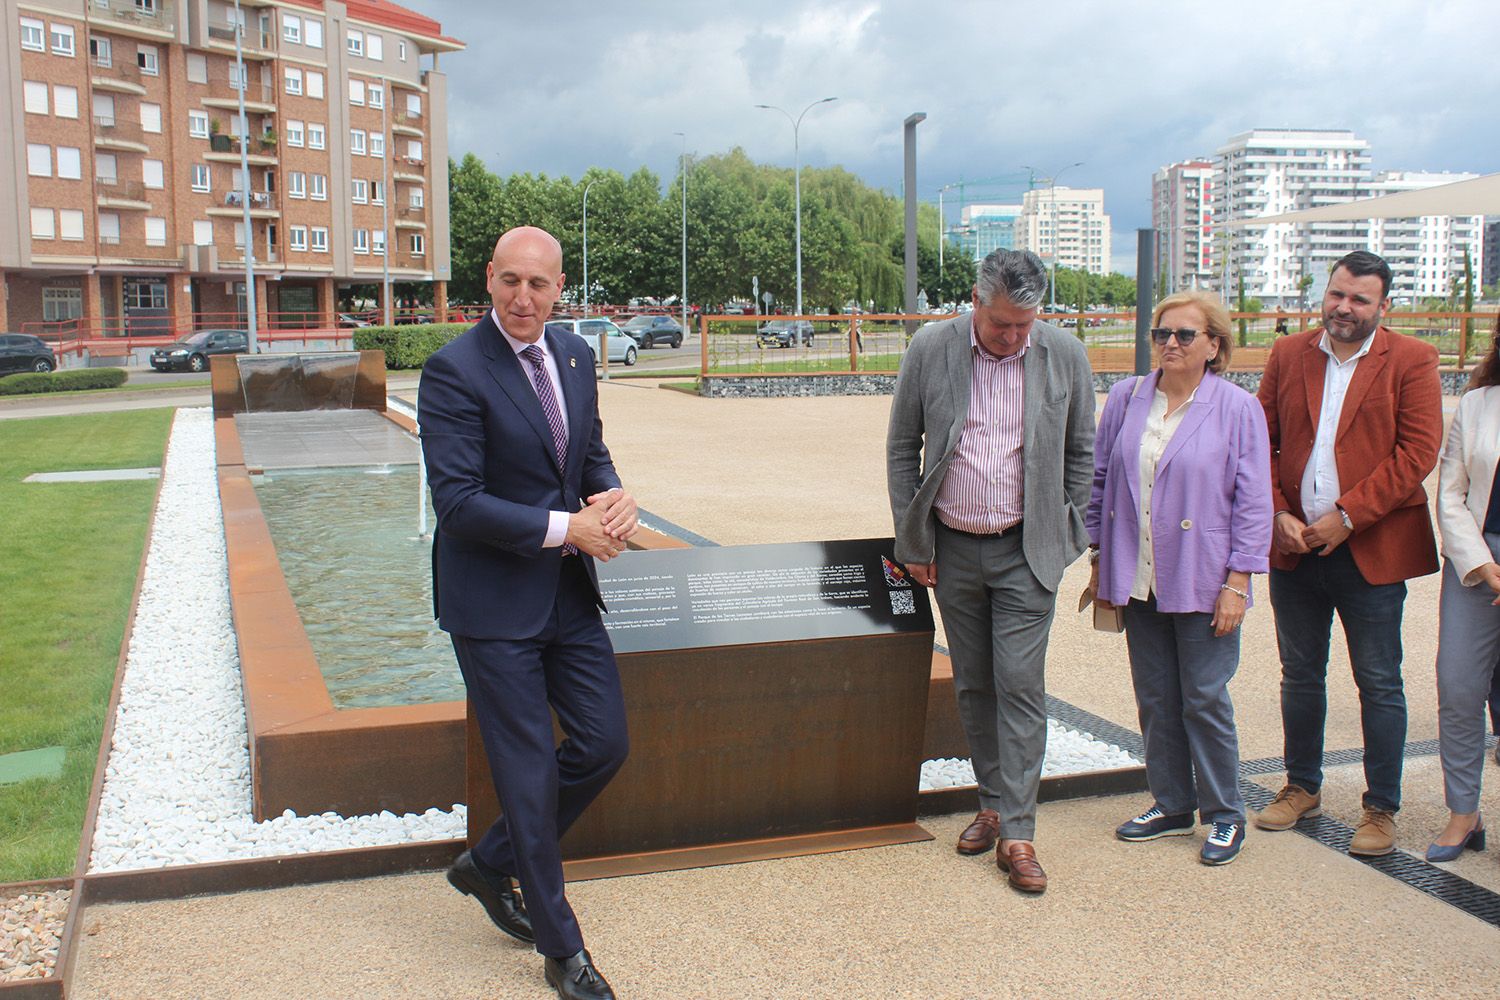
(493,470)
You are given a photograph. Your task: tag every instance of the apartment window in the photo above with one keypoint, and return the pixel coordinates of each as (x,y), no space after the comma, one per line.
(203,232)
(43,224)
(38,160)
(416,198)
(150,117)
(156,232)
(315,84)
(104,168)
(377,96)
(33,37)
(317,187)
(293,81)
(414,105)
(296,184)
(312,33)
(62,39)
(35,95)
(357,141)
(69,163)
(377,242)
(59,304)
(414,150)
(293,133)
(101,52)
(319,239)
(297,238)
(197,67)
(374,46)
(153,174)
(143,293)
(356,43)
(418,245)
(201,178)
(64,101)
(148,59)
(361,241)
(291,29)
(377,193)
(239,235)
(317,136)
(359,191)
(109,227)
(70,224)
(356,92)
(236,81)
(401,50)
(198,124)
(377,143)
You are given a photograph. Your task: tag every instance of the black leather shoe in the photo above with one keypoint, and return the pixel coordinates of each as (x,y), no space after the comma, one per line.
(500,900)
(576,978)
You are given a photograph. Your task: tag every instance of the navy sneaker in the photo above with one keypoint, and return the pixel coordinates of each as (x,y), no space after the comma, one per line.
(1154,823)
(1223,844)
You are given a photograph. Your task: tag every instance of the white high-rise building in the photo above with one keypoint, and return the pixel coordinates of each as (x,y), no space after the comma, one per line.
(1182,213)
(1426,254)
(1270,171)
(1069,223)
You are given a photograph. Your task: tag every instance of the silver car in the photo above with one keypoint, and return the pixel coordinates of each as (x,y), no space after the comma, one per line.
(622,347)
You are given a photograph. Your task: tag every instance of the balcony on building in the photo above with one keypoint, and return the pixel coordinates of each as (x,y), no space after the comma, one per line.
(142,18)
(117,77)
(117,194)
(224,94)
(398,174)
(261,206)
(255,42)
(411,217)
(114,134)
(261,152)
(406,123)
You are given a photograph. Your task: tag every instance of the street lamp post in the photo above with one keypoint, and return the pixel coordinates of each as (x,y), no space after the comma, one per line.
(586,247)
(682,169)
(251,340)
(797,178)
(1052,195)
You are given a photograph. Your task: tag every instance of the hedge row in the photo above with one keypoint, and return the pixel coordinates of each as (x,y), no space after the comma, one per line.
(407,346)
(63,381)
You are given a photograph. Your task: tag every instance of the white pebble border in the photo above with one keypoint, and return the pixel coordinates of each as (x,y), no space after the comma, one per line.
(31,927)
(177,785)
(1068,752)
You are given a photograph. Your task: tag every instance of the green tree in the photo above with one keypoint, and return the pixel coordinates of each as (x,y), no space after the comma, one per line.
(474,196)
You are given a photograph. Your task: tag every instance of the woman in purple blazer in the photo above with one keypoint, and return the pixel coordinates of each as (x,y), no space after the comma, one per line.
(1180,517)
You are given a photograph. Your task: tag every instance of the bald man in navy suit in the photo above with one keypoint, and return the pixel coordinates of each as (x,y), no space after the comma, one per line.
(527,498)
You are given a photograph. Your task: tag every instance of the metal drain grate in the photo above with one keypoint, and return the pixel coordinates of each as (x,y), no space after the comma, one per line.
(1336,758)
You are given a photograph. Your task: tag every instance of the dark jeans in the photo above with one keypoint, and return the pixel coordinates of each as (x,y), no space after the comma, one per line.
(1305,599)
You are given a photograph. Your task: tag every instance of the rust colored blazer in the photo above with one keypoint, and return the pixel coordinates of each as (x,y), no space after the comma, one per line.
(1389,435)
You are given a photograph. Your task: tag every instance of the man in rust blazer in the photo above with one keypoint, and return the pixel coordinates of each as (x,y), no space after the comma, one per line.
(1355,415)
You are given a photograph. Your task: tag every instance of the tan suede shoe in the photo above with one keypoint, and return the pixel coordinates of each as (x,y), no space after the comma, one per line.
(1376,834)
(1292,803)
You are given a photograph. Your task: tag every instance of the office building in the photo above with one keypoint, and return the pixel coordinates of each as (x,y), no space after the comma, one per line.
(982,229)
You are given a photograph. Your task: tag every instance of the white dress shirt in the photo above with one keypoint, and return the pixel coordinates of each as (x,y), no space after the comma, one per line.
(557,520)
(1320,480)
(1154,440)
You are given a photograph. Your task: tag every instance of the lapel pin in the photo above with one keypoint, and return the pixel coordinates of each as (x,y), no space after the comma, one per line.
(572,362)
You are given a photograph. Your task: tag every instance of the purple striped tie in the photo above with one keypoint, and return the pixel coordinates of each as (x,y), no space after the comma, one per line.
(548,398)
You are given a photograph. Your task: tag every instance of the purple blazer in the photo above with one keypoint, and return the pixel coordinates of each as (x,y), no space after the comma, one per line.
(1211,506)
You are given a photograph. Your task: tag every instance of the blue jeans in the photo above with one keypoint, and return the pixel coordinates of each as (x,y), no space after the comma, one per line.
(1305,599)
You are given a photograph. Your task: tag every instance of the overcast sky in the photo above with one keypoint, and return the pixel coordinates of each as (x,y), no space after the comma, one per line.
(1124,87)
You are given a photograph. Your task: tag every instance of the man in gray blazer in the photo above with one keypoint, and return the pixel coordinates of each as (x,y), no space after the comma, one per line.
(989,462)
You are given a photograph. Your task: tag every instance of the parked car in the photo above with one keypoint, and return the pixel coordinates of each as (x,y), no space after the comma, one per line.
(622,347)
(785,333)
(192,353)
(348,322)
(648,331)
(21,352)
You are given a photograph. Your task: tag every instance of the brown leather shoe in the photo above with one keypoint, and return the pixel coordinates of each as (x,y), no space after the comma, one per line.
(1020,864)
(980,836)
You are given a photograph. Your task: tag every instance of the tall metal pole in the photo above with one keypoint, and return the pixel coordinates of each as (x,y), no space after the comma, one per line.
(682,169)
(586,247)
(385,209)
(1145,274)
(239,59)
(797,177)
(910,182)
(941,222)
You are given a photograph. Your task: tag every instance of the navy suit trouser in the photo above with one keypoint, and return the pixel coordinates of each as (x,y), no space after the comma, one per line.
(543,786)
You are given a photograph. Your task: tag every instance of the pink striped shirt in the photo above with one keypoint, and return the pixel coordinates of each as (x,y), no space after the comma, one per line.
(982,491)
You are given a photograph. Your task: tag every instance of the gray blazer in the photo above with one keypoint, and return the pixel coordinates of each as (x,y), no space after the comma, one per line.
(927,418)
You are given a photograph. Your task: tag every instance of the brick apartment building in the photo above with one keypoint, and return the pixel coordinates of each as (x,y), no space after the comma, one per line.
(120,205)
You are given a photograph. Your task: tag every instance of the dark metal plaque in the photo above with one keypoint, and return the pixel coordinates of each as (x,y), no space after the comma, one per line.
(740,594)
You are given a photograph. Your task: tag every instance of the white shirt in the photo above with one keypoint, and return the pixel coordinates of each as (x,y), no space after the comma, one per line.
(557,520)
(1154,440)
(1320,480)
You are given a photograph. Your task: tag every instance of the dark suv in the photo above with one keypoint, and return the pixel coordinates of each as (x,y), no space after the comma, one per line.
(192,353)
(648,331)
(785,333)
(21,352)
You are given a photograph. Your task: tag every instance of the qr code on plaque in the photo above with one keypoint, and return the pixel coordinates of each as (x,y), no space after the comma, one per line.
(903,602)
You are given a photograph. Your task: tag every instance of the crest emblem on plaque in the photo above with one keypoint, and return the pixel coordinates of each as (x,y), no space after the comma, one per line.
(895,576)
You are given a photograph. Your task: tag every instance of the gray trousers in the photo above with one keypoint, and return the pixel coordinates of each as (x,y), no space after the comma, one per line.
(997,617)
(1468,643)
(1181,672)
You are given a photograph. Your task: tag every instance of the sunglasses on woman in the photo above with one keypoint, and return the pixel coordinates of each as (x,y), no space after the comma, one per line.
(1184,336)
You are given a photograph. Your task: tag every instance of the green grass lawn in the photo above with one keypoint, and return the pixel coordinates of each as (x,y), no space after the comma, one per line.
(67,572)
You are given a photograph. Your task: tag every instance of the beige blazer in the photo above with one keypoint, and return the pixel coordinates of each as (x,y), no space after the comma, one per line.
(1465,475)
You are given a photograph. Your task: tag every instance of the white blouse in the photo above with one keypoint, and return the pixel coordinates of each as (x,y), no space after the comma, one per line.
(1154,440)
